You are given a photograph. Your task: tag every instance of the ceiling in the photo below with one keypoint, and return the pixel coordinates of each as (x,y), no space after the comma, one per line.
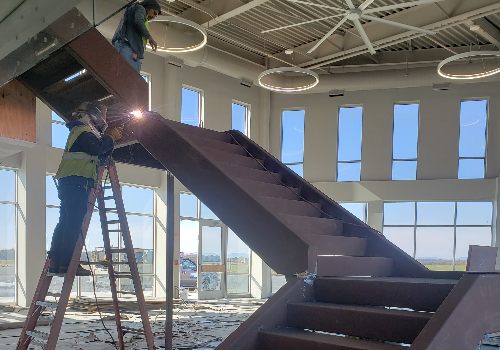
(235,26)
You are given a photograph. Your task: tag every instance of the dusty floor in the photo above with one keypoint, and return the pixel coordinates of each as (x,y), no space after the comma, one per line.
(197,325)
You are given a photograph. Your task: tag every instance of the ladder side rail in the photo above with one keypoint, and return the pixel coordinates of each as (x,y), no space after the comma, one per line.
(111,273)
(115,184)
(35,310)
(71,272)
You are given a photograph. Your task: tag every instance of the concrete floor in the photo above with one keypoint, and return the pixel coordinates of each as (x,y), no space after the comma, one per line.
(197,325)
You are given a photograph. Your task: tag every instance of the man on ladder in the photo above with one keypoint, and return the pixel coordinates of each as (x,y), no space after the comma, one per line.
(76,177)
(86,158)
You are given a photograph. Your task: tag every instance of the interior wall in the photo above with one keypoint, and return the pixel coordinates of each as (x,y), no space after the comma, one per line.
(438,137)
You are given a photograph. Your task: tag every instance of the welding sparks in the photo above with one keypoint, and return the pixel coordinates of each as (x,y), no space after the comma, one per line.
(136,114)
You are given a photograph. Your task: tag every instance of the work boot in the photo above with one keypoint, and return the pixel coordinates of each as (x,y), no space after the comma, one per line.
(81,271)
(61,271)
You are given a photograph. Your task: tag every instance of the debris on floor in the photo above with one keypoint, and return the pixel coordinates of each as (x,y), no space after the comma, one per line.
(197,325)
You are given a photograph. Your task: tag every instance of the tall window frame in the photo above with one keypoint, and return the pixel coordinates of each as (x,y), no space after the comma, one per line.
(9,260)
(454,226)
(147,77)
(81,286)
(297,165)
(404,160)
(341,162)
(247,116)
(201,214)
(201,104)
(463,159)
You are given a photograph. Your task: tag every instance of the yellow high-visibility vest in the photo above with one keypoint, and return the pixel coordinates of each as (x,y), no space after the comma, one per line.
(77,163)
(145,39)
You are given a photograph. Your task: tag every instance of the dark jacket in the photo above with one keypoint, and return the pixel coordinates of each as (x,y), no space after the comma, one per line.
(132,29)
(90,143)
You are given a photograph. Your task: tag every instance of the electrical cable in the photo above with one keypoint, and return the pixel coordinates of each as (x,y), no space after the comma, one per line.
(93,275)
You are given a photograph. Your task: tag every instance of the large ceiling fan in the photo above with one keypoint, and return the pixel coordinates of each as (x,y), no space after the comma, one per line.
(354,14)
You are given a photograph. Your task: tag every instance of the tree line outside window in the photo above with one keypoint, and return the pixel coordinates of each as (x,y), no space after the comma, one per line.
(438,234)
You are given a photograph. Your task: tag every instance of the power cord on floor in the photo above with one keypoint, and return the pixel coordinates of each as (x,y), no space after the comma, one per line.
(93,275)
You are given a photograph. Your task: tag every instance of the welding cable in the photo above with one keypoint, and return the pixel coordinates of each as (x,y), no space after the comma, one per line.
(93,275)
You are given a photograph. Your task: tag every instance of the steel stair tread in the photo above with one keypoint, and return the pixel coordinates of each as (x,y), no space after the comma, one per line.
(366,309)
(313,225)
(328,341)
(421,294)
(394,279)
(212,144)
(235,158)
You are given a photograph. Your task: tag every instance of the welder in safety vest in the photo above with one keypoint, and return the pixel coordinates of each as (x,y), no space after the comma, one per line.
(77,175)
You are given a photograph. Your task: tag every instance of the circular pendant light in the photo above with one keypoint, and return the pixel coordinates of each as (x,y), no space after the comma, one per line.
(176,35)
(288,79)
(474,65)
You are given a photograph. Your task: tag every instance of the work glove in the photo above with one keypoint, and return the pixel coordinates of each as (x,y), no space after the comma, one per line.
(116,133)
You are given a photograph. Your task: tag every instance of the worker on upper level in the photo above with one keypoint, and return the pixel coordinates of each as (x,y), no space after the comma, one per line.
(77,175)
(132,34)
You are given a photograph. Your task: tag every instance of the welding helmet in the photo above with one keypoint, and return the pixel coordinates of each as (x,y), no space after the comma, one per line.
(96,111)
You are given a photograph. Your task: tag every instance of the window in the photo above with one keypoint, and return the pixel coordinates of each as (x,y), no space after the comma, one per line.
(359,210)
(139,206)
(349,143)
(147,78)
(192,107)
(292,139)
(195,215)
(438,234)
(237,265)
(240,119)
(472,144)
(59,131)
(8,219)
(405,142)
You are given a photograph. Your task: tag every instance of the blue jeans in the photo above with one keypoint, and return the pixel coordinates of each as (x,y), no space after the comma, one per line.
(126,51)
(73,191)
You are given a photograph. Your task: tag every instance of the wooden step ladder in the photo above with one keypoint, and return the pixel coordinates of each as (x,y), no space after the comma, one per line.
(48,340)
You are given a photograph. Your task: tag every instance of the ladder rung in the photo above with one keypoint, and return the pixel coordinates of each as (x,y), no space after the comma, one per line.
(47,304)
(107,187)
(47,317)
(99,263)
(117,250)
(110,209)
(106,198)
(38,336)
(125,292)
(132,330)
(114,230)
(54,295)
(112,222)
(123,275)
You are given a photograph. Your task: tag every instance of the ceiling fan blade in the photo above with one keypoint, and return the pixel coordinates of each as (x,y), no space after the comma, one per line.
(301,23)
(327,35)
(397,24)
(350,4)
(317,5)
(400,6)
(365,38)
(365,4)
